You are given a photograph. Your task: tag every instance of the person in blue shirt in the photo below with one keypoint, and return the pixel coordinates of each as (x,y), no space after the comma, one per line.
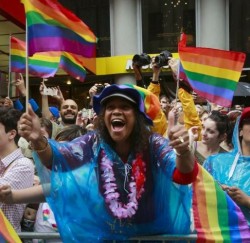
(119,181)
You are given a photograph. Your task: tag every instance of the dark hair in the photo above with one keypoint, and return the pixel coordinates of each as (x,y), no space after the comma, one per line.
(223,124)
(139,137)
(47,124)
(70,132)
(9,117)
(221,121)
(164,96)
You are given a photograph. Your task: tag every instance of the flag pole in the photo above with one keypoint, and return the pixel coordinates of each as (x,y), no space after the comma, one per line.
(27,68)
(177,79)
(9,74)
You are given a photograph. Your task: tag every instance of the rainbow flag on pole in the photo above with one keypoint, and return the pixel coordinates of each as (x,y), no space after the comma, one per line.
(42,65)
(213,74)
(7,233)
(217,217)
(51,27)
(45,64)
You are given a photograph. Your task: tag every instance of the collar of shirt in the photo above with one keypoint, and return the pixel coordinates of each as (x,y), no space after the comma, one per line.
(6,161)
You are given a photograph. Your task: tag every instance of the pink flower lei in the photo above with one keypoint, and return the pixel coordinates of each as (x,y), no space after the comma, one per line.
(136,187)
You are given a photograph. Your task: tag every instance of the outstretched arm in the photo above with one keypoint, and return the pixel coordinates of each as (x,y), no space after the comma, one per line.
(28,195)
(179,140)
(240,197)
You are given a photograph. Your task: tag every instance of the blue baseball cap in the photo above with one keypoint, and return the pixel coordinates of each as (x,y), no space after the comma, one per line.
(122,91)
(54,111)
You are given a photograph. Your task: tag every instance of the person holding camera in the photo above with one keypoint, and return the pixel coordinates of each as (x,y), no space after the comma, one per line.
(154,87)
(96,89)
(86,117)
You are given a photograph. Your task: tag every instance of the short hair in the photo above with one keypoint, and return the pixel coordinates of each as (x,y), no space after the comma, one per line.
(70,132)
(164,96)
(9,117)
(47,124)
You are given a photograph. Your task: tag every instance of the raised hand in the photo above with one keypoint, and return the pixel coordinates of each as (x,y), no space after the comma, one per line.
(178,135)
(20,84)
(29,125)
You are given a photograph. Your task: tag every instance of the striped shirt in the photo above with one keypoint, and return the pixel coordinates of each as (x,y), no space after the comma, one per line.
(18,172)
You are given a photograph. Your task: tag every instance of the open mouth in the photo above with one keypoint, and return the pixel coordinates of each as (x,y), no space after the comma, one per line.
(117,124)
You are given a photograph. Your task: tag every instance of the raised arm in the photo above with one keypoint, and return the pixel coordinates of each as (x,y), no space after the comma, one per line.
(45,103)
(179,140)
(28,195)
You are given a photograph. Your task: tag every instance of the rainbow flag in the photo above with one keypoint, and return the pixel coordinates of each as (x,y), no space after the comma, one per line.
(217,218)
(42,65)
(73,66)
(51,27)
(213,74)
(45,64)
(7,233)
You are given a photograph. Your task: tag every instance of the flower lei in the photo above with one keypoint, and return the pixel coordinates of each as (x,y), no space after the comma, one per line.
(136,187)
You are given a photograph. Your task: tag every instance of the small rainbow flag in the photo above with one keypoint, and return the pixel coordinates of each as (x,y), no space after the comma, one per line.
(7,233)
(42,65)
(213,74)
(217,217)
(153,109)
(51,27)
(45,64)
(73,66)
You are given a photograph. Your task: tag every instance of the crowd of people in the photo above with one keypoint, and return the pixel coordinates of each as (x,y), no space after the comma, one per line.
(117,173)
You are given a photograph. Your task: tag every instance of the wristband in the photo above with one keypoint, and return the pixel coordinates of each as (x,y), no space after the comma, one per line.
(43,149)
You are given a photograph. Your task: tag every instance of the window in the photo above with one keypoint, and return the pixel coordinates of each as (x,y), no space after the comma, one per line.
(162,22)
(239,27)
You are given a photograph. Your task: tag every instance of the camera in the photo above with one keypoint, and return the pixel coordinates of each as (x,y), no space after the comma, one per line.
(85,113)
(141,60)
(100,88)
(162,59)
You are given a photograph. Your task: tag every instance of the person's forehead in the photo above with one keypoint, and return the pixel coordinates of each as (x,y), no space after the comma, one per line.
(69,103)
(209,123)
(164,98)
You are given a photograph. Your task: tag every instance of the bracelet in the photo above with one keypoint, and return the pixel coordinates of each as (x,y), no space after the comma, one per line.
(43,149)
(155,82)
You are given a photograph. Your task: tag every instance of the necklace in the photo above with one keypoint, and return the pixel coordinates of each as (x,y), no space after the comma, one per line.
(136,187)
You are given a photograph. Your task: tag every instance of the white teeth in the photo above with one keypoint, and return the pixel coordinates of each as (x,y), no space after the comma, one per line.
(117,120)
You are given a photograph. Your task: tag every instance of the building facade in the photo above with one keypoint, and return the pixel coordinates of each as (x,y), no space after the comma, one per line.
(128,27)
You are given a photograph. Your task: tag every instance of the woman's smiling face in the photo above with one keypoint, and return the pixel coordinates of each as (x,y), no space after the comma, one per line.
(119,118)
